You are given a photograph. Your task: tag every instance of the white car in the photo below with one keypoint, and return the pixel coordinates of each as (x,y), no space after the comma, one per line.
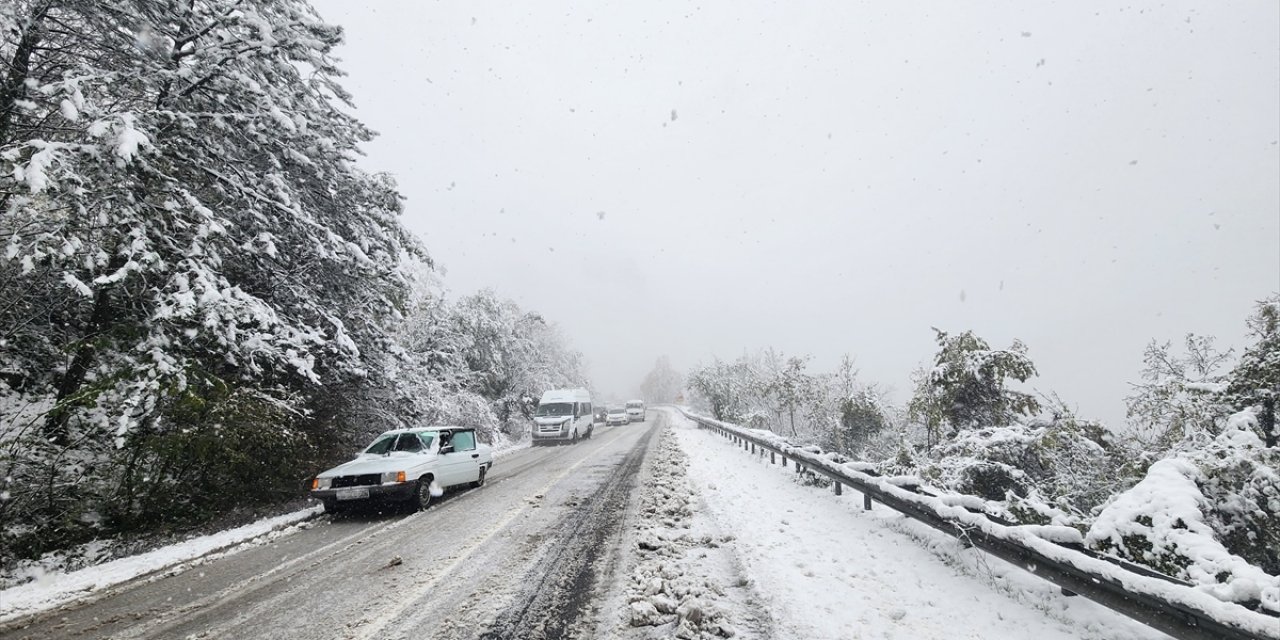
(616,415)
(635,410)
(406,466)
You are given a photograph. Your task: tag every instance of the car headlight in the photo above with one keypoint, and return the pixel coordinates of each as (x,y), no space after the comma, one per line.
(321,483)
(392,476)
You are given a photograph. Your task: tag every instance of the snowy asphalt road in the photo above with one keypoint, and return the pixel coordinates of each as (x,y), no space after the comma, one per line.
(521,557)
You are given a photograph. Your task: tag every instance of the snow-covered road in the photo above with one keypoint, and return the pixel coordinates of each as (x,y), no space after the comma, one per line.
(522,557)
(825,568)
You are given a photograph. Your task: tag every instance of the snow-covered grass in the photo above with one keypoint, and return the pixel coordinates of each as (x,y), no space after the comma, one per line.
(827,569)
(54,589)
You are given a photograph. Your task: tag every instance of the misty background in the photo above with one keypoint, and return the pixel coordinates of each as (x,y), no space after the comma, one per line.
(697,180)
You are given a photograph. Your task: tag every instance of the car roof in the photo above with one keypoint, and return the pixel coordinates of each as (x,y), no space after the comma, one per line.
(425,429)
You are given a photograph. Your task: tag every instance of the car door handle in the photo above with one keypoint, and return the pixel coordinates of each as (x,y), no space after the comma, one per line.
(475,455)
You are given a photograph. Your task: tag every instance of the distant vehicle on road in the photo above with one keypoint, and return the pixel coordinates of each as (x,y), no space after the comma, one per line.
(617,415)
(406,466)
(563,415)
(635,410)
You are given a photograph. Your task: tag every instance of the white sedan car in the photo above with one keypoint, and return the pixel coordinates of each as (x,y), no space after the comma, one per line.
(406,466)
(616,415)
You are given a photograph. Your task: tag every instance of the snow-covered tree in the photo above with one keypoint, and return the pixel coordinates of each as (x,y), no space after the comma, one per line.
(730,390)
(1178,396)
(480,361)
(792,387)
(512,355)
(662,383)
(968,385)
(191,254)
(1255,380)
(185,172)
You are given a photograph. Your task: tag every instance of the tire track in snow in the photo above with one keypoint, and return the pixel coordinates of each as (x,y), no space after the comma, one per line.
(388,615)
(562,582)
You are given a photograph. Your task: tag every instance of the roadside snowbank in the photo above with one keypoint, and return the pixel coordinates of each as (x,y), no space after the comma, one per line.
(675,585)
(52,590)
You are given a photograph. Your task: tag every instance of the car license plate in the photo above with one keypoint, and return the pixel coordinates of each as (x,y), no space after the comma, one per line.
(353,494)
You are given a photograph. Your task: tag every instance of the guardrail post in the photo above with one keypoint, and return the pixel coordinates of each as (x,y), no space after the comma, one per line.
(839,488)
(784,462)
(799,468)
(753,447)
(866,502)
(772,459)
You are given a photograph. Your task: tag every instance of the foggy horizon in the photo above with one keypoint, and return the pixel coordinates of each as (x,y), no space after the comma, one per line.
(701,182)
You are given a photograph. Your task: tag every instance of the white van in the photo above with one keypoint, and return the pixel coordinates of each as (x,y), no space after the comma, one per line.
(635,410)
(563,415)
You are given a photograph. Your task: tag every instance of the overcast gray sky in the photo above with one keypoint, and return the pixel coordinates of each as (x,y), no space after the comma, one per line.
(696,179)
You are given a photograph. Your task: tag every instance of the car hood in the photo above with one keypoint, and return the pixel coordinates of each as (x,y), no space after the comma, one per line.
(396,461)
(552,419)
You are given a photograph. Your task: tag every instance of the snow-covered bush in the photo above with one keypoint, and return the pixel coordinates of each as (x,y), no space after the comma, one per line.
(1179,394)
(1210,515)
(1050,469)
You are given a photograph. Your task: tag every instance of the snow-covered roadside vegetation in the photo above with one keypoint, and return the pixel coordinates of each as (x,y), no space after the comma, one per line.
(203,300)
(1190,487)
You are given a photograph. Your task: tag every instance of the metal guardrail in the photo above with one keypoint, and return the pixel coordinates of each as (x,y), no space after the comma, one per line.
(1169,611)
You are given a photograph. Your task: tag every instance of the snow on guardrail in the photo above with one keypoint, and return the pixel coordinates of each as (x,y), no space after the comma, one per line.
(1055,553)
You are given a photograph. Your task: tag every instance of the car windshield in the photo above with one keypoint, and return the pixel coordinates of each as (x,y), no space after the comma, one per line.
(634,405)
(411,442)
(617,410)
(553,409)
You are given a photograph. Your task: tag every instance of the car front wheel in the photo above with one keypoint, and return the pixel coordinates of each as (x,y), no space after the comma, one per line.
(422,495)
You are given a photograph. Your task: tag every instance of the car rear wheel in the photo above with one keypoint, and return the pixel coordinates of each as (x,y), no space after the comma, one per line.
(480,481)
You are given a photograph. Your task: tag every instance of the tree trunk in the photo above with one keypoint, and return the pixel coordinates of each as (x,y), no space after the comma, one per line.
(55,426)
(15,83)
(1268,422)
